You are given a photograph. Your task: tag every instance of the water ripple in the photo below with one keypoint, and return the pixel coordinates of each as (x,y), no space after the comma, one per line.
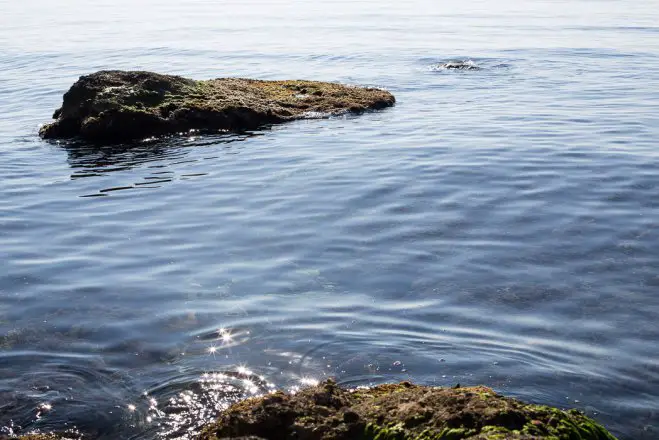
(496,226)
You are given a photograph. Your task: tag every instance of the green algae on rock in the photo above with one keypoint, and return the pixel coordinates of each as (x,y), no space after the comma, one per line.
(119,105)
(399,412)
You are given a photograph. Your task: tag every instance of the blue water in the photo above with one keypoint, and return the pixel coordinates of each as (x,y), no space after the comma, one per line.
(497,226)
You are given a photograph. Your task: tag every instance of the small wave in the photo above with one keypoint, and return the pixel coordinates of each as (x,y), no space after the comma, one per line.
(317,115)
(456,65)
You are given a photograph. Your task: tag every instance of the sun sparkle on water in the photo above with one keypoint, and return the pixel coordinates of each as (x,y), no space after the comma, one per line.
(225,335)
(309,381)
(242,369)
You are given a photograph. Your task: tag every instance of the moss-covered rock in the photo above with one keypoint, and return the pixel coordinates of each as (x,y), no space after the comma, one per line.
(119,105)
(399,412)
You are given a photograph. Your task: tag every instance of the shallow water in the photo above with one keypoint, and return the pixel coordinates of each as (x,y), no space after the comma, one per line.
(498,225)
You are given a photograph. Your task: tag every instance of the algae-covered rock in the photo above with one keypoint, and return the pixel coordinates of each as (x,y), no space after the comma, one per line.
(118,105)
(399,412)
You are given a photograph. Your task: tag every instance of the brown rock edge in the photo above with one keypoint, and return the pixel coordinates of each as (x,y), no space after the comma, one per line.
(115,105)
(399,412)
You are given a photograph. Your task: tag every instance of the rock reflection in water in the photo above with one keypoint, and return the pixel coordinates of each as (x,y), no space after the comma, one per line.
(160,156)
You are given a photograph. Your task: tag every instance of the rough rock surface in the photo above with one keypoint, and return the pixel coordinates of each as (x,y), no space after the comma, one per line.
(399,412)
(111,106)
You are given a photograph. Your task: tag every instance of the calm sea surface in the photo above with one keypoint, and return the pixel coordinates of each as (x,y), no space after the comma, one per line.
(497,226)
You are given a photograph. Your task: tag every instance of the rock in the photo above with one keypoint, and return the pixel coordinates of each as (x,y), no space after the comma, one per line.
(460,65)
(399,412)
(109,106)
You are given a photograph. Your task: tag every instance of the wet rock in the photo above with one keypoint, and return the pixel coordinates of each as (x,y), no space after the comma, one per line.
(399,412)
(460,65)
(116,105)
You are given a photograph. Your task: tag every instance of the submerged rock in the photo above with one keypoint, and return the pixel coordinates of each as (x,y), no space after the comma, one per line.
(399,412)
(459,65)
(119,105)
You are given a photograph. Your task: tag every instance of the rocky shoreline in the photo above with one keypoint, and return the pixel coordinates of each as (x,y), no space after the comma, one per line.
(113,105)
(401,411)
